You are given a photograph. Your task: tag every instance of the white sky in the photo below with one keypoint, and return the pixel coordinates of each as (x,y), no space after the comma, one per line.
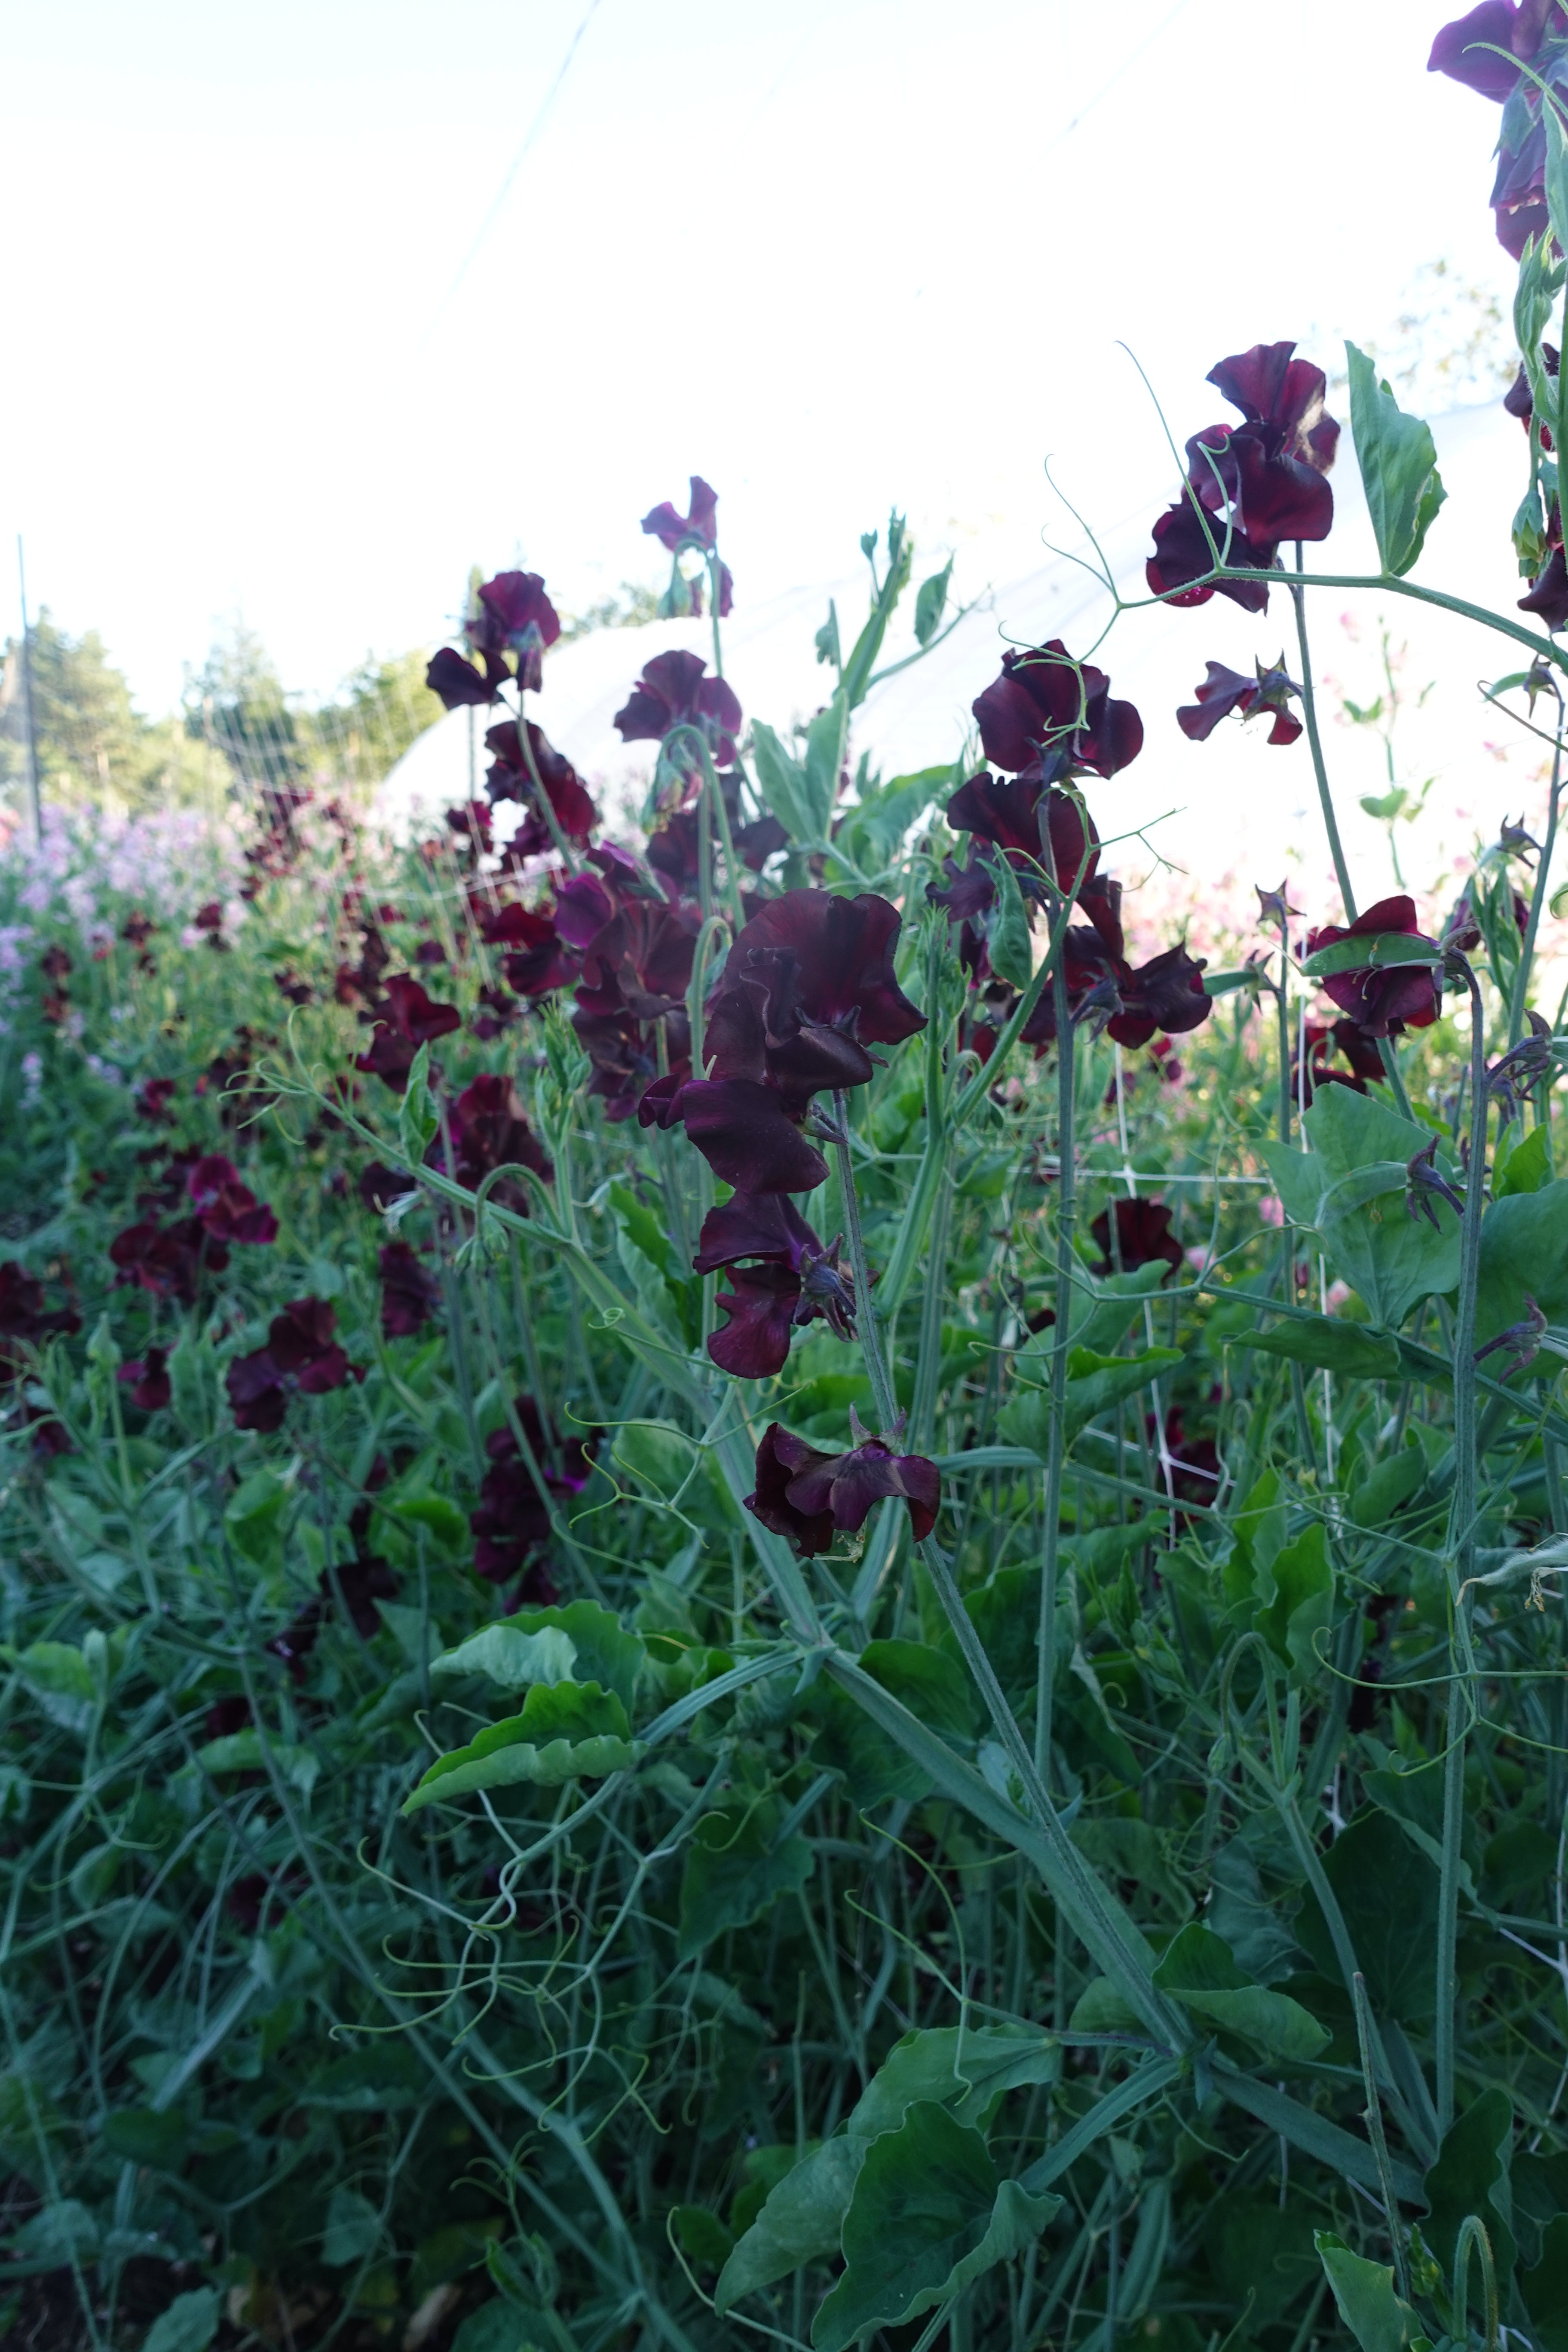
(830,253)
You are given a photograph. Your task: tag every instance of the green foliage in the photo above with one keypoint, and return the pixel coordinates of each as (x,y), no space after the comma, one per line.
(1398,461)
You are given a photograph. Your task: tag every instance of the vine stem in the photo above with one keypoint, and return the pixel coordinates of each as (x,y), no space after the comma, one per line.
(1461,1556)
(1331,821)
(1537,895)
(1067,1219)
(884,1402)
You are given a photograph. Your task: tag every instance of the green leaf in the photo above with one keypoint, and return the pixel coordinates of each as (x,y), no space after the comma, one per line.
(143,2136)
(1097,1382)
(1545,2288)
(510,1658)
(417,1116)
(702,2237)
(930,602)
(824,741)
(1009,944)
(966,2071)
(1387,1488)
(1524,1252)
(928,2214)
(353,2230)
(1101,2008)
(1359,1145)
(930,1683)
(735,1871)
(1398,461)
(441,1519)
(874,830)
(566,1731)
(1387,1891)
(1303,1581)
(498,2327)
(242,1752)
(59,1678)
(799,2223)
(251,1518)
(1377,952)
(828,648)
(1201,1971)
(862,661)
(1364,2293)
(1330,1344)
(187,2324)
(786,789)
(1527,1167)
(1470,2176)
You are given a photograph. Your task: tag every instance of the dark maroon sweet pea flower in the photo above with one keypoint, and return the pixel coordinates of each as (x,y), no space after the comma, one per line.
(808,1497)
(1534,34)
(24,1317)
(301,1354)
(510,778)
(1345,1037)
(674,690)
(167,1261)
(742,1129)
(459,685)
(1183,556)
(147,1377)
(512,1518)
(1385,1000)
(639,961)
(1466,49)
(794,1280)
(1548,596)
(828,964)
(489,1131)
(406,1017)
(1165,994)
(698,527)
(1143,1237)
(379,1185)
(229,1211)
(1224,690)
(537,960)
(1269,470)
(515,617)
(1045,703)
(410,1294)
(1006,811)
(153,1100)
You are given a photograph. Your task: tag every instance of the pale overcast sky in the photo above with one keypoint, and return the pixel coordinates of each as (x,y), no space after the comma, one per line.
(829,253)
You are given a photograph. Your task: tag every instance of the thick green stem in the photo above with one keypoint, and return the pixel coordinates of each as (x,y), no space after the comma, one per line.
(1066,1207)
(1461,1555)
(884,1403)
(1537,895)
(1315,742)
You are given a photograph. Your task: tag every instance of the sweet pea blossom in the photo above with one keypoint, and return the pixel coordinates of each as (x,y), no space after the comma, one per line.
(301,1353)
(808,1497)
(781,1277)
(1381,1000)
(674,690)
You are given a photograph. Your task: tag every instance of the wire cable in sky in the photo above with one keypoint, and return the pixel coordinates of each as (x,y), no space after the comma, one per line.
(505,189)
(1125,68)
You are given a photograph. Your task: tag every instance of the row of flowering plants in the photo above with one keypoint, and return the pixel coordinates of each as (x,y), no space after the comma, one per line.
(756,1583)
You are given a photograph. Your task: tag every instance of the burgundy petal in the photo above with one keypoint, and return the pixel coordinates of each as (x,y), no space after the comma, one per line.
(1143,1236)
(1456,53)
(1183,555)
(761,1305)
(781,1458)
(744,1133)
(457,681)
(754,1225)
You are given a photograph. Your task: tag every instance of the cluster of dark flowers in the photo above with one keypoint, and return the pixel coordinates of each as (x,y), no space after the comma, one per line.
(25,1325)
(166,1257)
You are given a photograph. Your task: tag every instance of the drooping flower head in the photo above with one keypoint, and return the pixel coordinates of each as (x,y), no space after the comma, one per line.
(780,1277)
(1131,1234)
(1047,707)
(510,777)
(696,529)
(1529,33)
(1381,1000)
(808,1497)
(301,1353)
(675,690)
(1224,690)
(808,985)
(1250,484)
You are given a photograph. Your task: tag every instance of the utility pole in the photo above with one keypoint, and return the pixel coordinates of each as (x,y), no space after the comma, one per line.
(34,806)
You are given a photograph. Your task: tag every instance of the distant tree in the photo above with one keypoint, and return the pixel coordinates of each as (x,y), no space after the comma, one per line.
(92,743)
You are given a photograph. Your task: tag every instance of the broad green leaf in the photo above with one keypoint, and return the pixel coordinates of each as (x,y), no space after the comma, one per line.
(930,602)
(1101,2008)
(824,741)
(1363,2294)
(928,2214)
(353,2230)
(252,1517)
(862,661)
(786,789)
(1545,2288)
(800,2221)
(510,1658)
(1201,1971)
(929,1682)
(187,2324)
(1387,1488)
(566,1731)
(55,2233)
(59,1678)
(1329,1343)
(1094,1383)
(417,1116)
(1527,1167)
(242,1752)
(143,2136)
(499,2326)
(1303,1581)
(1470,2176)
(1391,1259)
(702,2237)
(1009,943)
(1398,461)
(1524,1254)
(1376,952)
(441,1519)
(606,1653)
(873,831)
(735,1871)
(966,2071)
(1388,1893)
